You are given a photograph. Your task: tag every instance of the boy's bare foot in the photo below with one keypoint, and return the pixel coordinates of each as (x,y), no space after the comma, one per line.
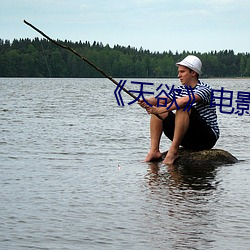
(171,156)
(153,156)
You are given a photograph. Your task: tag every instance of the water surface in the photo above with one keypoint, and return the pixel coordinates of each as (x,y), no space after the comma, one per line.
(72,175)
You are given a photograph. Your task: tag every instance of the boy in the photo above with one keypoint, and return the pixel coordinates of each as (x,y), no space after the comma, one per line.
(193,127)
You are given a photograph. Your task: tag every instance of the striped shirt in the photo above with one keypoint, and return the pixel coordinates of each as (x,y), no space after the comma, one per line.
(207,112)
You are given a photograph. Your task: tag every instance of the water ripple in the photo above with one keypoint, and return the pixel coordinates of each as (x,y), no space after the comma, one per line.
(72,175)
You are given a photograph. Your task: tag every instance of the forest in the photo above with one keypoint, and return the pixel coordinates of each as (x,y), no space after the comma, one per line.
(41,58)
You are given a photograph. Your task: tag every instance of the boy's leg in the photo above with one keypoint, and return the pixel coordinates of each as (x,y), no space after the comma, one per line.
(181,127)
(156,128)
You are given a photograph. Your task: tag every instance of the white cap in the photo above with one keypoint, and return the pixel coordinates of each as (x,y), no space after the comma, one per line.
(191,62)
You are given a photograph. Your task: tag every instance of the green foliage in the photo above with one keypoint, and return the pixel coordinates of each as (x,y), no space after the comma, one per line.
(41,58)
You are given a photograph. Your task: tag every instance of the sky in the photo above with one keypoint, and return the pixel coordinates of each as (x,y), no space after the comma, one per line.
(155,25)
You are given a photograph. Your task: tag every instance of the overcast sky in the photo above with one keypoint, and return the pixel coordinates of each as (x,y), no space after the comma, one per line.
(157,25)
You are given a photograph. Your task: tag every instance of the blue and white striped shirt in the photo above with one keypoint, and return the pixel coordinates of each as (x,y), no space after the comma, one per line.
(207,112)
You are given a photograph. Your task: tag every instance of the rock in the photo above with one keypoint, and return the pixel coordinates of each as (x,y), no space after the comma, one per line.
(205,157)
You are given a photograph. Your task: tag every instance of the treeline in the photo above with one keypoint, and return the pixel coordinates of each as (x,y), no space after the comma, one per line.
(41,58)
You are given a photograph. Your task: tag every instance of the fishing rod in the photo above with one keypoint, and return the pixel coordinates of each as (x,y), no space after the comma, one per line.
(84,59)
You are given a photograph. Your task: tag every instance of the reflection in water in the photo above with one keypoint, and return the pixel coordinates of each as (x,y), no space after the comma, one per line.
(183,196)
(183,177)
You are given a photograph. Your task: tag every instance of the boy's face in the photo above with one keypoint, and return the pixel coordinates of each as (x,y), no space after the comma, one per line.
(185,75)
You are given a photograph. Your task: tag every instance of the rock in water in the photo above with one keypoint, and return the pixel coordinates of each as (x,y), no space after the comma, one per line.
(204,157)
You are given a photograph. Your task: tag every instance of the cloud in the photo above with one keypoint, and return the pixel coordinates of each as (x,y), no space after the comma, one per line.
(225,5)
(148,2)
(83,6)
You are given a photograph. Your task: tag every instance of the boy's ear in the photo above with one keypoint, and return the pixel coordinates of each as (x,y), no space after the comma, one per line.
(193,73)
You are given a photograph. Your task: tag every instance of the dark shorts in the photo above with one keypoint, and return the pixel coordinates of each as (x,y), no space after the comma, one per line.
(199,135)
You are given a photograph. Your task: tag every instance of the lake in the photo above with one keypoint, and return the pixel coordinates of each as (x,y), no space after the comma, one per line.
(72,173)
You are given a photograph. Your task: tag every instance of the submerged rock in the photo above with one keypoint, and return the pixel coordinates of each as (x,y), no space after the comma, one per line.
(204,157)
